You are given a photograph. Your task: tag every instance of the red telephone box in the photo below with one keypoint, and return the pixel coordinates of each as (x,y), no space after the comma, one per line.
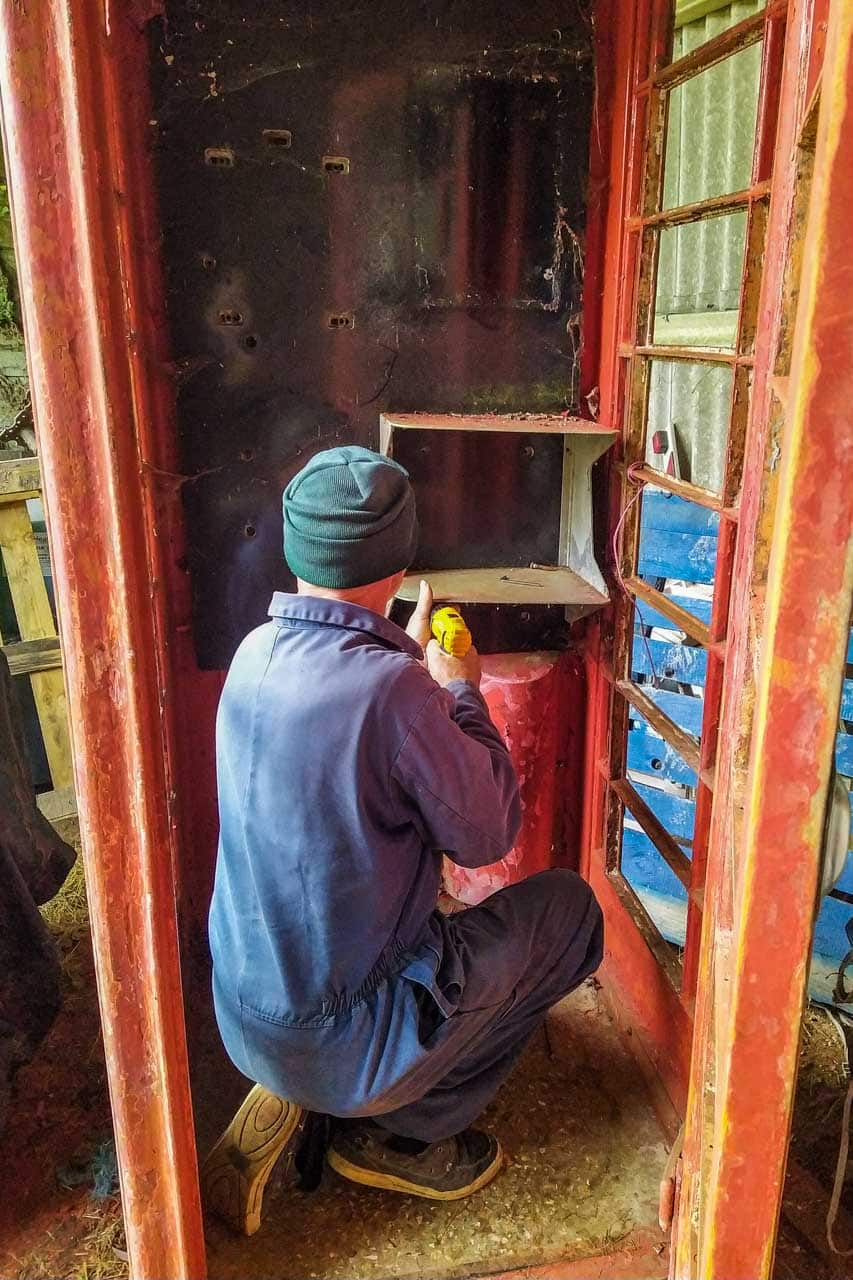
(132,484)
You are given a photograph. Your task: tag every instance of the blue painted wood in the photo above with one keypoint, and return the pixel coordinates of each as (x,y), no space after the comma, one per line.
(661,510)
(644,868)
(700,609)
(672,661)
(684,709)
(830,938)
(844,754)
(675,813)
(648,753)
(687,556)
(846,881)
(850,646)
(847,700)
(677,539)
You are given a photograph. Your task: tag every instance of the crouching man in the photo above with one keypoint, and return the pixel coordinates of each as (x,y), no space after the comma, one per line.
(345,765)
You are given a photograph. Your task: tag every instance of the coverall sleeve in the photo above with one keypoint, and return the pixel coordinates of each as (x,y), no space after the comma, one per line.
(455,768)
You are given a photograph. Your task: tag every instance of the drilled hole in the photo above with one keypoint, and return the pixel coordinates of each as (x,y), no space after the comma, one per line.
(669,672)
(341,320)
(277,138)
(336,164)
(230,317)
(250,341)
(656,764)
(249,531)
(246,455)
(208,261)
(219,157)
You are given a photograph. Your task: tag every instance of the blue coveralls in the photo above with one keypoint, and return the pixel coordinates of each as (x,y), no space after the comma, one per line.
(343,769)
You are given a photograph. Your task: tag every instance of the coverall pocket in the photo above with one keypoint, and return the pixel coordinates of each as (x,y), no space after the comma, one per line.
(437,993)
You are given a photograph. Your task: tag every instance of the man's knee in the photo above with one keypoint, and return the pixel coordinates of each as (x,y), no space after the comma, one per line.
(572,923)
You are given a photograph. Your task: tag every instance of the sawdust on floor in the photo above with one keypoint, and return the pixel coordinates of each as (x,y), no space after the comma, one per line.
(586,1155)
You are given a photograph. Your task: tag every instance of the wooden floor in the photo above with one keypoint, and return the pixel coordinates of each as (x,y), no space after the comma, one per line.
(586,1155)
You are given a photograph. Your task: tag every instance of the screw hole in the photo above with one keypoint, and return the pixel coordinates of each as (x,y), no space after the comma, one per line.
(250,342)
(656,764)
(219,157)
(669,672)
(230,318)
(556,36)
(341,320)
(336,164)
(277,138)
(208,261)
(246,455)
(249,531)
(529,451)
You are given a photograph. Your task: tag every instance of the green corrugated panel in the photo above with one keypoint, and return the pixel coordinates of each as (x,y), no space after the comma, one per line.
(710,137)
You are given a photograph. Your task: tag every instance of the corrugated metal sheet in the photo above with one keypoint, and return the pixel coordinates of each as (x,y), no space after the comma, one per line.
(710,135)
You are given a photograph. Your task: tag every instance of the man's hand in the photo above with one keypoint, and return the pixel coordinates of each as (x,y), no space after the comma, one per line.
(418,625)
(443,667)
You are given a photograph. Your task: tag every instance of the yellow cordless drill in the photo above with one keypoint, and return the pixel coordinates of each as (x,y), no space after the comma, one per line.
(449,629)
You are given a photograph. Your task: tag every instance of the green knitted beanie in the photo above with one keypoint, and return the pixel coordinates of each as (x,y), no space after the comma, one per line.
(349,519)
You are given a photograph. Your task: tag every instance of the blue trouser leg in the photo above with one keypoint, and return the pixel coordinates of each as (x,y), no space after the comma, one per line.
(506,962)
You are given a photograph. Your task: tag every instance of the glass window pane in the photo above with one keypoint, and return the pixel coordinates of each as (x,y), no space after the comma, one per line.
(711,130)
(698,282)
(698,21)
(689,409)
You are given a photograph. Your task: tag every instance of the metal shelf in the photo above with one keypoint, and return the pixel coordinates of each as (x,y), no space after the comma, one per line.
(557,586)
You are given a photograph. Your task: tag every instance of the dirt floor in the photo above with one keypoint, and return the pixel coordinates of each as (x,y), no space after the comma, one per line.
(60,1214)
(585,1149)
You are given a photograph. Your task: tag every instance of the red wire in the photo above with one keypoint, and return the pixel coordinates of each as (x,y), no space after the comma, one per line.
(633,478)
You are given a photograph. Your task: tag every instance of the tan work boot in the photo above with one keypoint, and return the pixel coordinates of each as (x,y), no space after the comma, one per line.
(234,1175)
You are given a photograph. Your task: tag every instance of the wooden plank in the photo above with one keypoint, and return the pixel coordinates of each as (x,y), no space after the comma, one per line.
(27,656)
(645,869)
(684,743)
(682,488)
(675,513)
(58,805)
(674,812)
(844,754)
(669,849)
(715,50)
(557,585)
(19,478)
(542,423)
(649,754)
(694,605)
(674,614)
(685,556)
(684,708)
(672,661)
(35,622)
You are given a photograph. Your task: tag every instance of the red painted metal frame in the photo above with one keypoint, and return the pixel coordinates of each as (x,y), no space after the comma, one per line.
(73,77)
(756,999)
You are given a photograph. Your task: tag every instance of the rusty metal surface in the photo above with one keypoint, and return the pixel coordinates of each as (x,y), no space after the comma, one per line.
(84,237)
(435,263)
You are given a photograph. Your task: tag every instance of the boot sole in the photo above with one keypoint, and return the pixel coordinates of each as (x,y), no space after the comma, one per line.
(388,1182)
(235,1173)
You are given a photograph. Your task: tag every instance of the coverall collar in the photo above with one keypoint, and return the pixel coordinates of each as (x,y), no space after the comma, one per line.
(342,613)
